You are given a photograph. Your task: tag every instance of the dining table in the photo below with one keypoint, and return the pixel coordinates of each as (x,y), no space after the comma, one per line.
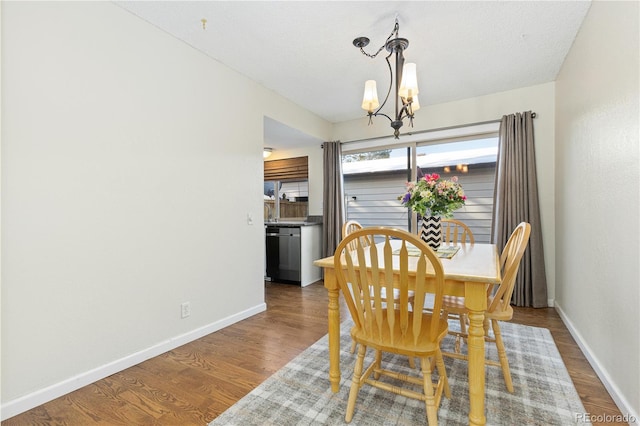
(468,273)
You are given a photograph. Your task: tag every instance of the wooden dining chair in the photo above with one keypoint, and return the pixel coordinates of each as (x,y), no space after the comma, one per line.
(349,227)
(386,325)
(498,301)
(456,232)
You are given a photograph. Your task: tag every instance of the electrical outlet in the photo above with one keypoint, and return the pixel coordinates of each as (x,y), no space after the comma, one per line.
(185,309)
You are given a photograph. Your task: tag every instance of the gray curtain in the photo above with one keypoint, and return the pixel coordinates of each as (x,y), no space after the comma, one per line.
(516,200)
(333,197)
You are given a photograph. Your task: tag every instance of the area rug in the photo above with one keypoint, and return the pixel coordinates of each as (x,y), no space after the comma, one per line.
(300,394)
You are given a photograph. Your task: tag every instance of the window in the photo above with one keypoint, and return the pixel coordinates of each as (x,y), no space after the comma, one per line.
(286,188)
(373,180)
(474,163)
(289,201)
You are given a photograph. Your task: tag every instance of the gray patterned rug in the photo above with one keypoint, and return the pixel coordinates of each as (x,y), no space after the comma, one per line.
(300,394)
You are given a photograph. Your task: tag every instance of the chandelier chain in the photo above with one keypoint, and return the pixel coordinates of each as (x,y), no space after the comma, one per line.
(396,27)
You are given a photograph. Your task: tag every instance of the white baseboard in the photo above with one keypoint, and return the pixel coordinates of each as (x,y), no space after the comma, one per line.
(623,404)
(41,396)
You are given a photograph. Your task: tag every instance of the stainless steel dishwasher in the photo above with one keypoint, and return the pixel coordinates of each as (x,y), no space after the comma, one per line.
(283,253)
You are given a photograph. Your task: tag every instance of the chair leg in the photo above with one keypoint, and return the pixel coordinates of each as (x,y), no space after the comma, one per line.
(353,346)
(487,326)
(412,362)
(502,354)
(430,399)
(463,327)
(378,364)
(463,323)
(443,373)
(355,384)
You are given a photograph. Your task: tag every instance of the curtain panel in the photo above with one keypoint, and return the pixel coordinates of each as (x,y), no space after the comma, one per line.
(333,197)
(515,201)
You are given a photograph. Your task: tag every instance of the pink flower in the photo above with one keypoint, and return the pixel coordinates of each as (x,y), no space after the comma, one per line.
(432,177)
(433,195)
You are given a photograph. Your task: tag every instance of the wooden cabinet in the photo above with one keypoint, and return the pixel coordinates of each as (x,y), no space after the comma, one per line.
(288,209)
(290,251)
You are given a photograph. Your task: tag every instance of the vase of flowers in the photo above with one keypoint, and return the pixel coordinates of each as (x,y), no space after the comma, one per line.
(433,198)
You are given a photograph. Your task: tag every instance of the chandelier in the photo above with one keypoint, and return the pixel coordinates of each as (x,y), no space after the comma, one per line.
(406,82)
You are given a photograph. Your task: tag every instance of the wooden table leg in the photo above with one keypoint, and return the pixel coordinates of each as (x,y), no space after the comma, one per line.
(334,329)
(476,302)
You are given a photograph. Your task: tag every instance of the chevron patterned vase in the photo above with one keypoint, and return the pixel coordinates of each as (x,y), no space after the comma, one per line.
(431,232)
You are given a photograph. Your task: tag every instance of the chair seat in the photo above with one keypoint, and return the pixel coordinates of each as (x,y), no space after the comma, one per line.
(501,313)
(455,305)
(425,345)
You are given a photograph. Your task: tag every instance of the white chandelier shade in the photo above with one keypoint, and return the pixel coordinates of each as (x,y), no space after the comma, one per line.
(415,104)
(370,99)
(409,84)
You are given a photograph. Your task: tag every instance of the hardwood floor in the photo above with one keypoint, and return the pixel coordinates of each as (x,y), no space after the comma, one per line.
(595,398)
(193,384)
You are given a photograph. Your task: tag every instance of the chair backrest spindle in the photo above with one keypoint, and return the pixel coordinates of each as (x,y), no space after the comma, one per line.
(350,227)
(510,263)
(384,278)
(455,231)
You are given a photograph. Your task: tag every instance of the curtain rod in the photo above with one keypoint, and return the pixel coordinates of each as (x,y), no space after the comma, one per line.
(533,115)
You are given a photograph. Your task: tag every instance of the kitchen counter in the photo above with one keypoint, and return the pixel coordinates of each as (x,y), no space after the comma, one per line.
(295,221)
(285,222)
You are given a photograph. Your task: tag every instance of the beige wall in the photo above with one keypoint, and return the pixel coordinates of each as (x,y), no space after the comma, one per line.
(110,195)
(539,99)
(597,177)
(120,158)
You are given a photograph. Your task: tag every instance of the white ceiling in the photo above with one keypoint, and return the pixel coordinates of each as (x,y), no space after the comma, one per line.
(303,49)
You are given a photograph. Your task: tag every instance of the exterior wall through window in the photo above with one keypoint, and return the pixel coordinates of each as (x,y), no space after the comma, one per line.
(373,181)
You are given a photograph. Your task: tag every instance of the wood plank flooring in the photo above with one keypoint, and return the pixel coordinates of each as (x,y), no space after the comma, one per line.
(193,384)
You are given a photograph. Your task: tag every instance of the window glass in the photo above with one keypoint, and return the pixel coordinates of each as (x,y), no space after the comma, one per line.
(473,162)
(373,181)
(286,200)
